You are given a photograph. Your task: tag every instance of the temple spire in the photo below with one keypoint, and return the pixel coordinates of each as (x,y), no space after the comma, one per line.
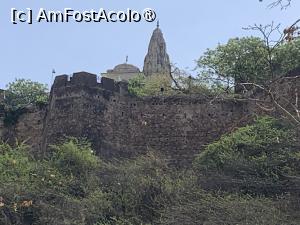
(157,60)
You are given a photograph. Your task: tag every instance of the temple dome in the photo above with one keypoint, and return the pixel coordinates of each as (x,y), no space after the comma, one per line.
(126,68)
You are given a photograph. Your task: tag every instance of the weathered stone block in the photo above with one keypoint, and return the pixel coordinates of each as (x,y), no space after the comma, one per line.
(84,78)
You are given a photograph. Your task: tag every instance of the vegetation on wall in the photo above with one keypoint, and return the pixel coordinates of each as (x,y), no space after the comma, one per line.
(265,149)
(179,83)
(12,116)
(145,190)
(23,92)
(154,85)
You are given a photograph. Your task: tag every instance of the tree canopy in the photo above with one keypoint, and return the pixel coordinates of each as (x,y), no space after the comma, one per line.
(248,59)
(23,92)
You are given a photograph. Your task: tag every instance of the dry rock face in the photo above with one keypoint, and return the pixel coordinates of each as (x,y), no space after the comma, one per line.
(157,60)
(121,126)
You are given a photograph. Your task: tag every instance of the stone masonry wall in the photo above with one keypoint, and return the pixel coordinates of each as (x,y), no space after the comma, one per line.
(122,126)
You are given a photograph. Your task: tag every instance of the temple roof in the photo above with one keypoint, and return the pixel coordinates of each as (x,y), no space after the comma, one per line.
(126,68)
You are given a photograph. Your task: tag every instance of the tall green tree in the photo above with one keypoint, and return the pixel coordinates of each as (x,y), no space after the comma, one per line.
(287,56)
(242,59)
(248,59)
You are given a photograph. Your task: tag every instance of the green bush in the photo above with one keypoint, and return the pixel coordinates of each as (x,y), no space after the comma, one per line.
(136,85)
(157,84)
(15,163)
(200,207)
(265,150)
(137,187)
(75,187)
(36,191)
(75,157)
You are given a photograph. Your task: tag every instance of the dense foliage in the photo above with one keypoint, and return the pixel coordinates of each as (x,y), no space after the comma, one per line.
(241,59)
(259,157)
(20,94)
(248,59)
(151,86)
(162,85)
(288,56)
(73,186)
(23,92)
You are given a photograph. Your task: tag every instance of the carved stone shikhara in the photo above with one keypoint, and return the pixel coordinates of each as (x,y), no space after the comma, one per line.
(157,60)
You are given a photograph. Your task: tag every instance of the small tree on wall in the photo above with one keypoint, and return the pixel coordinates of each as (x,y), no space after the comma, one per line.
(23,92)
(20,94)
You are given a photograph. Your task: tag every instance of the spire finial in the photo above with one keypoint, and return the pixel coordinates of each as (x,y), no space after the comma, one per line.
(157,24)
(126,59)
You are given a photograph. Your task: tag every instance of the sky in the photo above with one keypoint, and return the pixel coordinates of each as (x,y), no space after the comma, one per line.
(189,27)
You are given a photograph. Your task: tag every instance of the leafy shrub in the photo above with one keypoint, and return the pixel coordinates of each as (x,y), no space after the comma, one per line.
(264,149)
(75,157)
(158,84)
(15,163)
(136,85)
(76,187)
(16,175)
(200,207)
(37,191)
(137,187)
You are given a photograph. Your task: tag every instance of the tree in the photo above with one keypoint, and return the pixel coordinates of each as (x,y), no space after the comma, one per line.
(253,59)
(241,59)
(287,55)
(252,65)
(23,92)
